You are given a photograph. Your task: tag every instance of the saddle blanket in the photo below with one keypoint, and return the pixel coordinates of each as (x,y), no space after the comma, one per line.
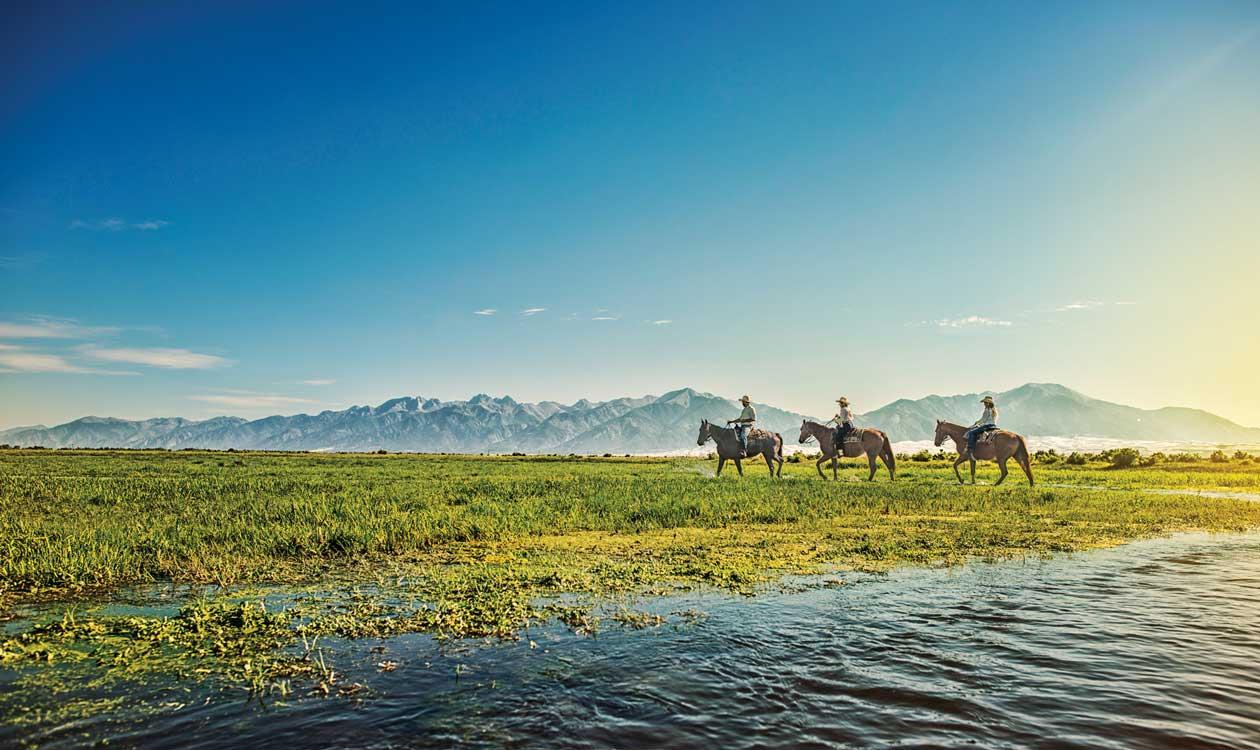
(986,436)
(854,436)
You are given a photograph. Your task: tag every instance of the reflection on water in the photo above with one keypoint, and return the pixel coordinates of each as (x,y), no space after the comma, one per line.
(1155,644)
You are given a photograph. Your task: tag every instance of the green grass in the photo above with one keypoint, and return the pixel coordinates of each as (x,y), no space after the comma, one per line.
(465,546)
(86,520)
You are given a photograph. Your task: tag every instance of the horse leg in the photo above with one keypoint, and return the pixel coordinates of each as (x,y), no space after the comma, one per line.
(739,466)
(818,465)
(957,461)
(835,465)
(973,469)
(886,456)
(870,459)
(769,456)
(1002,467)
(1026,465)
(721,462)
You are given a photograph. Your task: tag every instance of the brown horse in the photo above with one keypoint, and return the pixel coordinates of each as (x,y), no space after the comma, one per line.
(1003,445)
(872,442)
(768,444)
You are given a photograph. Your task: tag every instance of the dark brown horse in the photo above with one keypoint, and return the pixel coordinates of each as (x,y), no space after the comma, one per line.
(768,444)
(870,441)
(1002,446)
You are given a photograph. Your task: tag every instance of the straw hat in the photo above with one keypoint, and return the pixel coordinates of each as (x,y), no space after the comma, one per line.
(987,400)
(843,401)
(745,398)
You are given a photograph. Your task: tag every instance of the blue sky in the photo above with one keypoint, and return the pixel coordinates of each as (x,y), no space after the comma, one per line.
(212,208)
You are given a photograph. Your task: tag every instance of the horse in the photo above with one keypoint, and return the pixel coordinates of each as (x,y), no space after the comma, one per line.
(873,443)
(768,444)
(1003,445)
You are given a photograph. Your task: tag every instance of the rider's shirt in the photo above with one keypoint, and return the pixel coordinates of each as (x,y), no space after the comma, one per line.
(989,417)
(845,415)
(748,414)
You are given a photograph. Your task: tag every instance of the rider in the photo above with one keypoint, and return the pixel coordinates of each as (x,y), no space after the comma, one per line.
(986,422)
(843,421)
(744,422)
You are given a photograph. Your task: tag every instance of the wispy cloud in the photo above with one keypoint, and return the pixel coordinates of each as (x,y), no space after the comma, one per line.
(115,224)
(251,400)
(16,359)
(531,311)
(318,381)
(171,359)
(51,328)
(485,311)
(606,317)
(661,322)
(970,321)
(1073,306)
(18,262)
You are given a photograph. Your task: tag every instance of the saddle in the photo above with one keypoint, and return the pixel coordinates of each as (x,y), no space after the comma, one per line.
(987,436)
(855,435)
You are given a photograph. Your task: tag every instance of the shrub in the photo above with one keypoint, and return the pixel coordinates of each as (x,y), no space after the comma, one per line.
(1046,457)
(1123,458)
(1152,459)
(1241,455)
(381,452)
(1219,457)
(921,457)
(795,458)
(1076,459)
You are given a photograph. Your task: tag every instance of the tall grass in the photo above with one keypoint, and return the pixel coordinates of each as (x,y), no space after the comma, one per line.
(100,518)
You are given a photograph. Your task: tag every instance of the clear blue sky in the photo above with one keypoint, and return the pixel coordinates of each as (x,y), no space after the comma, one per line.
(257,208)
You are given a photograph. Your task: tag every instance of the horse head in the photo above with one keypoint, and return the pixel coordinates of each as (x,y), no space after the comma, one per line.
(941,434)
(805,432)
(703,437)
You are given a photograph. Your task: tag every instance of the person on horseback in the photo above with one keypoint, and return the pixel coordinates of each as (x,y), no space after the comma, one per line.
(744,422)
(986,422)
(843,421)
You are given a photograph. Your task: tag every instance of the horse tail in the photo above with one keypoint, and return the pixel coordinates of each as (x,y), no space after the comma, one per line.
(1021,455)
(778,447)
(888,456)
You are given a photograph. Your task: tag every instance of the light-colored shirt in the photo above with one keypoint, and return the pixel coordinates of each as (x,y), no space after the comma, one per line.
(845,415)
(748,414)
(989,417)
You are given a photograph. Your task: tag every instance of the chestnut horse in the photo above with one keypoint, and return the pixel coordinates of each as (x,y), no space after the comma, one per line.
(873,443)
(768,444)
(1002,446)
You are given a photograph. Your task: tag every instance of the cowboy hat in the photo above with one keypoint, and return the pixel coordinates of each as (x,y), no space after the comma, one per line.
(745,397)
(843,400)
(986,400)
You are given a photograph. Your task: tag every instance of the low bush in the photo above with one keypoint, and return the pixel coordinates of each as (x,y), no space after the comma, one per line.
(1219,457)
(1076,459)
(1123,458)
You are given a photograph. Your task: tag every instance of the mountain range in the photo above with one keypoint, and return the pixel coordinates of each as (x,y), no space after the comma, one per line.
(648,424)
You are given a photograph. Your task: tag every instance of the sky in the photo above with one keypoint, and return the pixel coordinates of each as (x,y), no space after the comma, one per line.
(261,208)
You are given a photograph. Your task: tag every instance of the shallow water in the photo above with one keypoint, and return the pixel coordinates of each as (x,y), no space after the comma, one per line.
(1154,644)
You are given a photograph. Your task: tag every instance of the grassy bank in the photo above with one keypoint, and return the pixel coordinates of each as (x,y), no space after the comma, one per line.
(473,546)
(74,521)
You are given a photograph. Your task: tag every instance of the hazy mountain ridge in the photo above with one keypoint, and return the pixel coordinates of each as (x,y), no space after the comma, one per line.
(647,424)
(1051,409)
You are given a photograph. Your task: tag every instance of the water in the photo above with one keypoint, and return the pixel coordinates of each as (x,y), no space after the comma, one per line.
(1155,644)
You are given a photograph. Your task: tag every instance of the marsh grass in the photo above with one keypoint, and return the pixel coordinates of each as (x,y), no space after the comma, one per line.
(458,546)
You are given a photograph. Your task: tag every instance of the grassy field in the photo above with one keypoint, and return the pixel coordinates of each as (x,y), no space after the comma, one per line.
(475,546)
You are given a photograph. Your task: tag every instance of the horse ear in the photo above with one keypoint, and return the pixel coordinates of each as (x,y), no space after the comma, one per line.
(938,423)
